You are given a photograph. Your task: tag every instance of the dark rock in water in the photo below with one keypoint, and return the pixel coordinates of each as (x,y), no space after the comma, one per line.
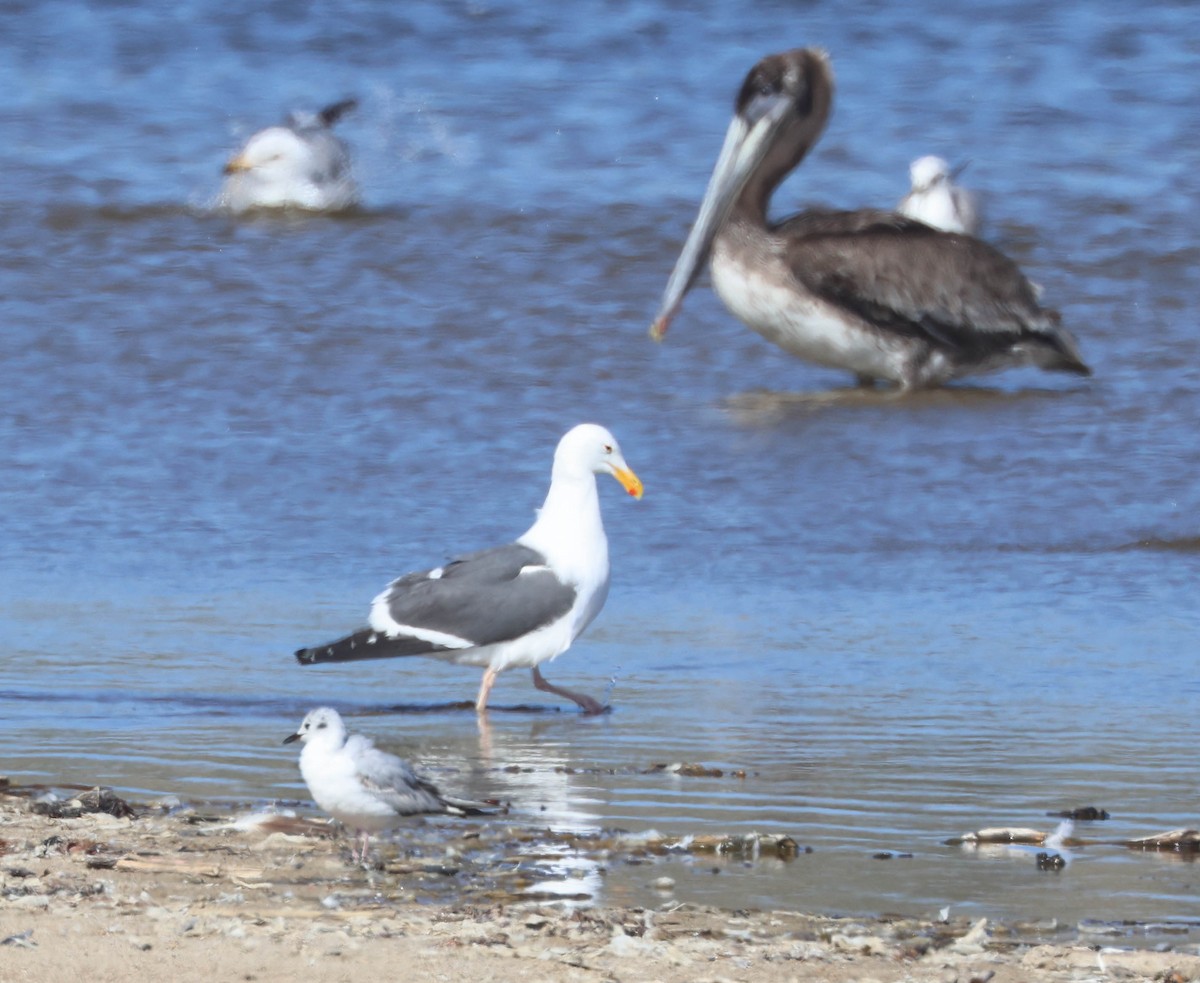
(105,800)
(890,855)
(999,834)
(56,808)
(95,800)
(1179,840)
(687,769)
(1050,861)
(1085,813)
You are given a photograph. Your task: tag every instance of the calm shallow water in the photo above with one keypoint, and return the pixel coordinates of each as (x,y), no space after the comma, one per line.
(904,619)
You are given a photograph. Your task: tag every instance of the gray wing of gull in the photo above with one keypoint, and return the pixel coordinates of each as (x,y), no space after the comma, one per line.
(331,159)
(967,207)
(482,597)
(392,780)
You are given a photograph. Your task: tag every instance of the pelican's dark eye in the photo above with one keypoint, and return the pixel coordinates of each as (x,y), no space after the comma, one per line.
(759,92)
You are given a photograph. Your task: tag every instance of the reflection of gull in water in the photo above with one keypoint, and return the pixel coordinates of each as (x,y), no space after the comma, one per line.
(300,164)
(535,771)
(360,785)
(936,200)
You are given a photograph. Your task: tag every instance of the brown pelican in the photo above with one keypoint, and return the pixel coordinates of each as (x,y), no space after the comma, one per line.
(869,291)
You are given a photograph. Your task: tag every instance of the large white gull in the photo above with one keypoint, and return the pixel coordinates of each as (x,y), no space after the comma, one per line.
(300,164)
(511,606)
(360,785)
(936,200)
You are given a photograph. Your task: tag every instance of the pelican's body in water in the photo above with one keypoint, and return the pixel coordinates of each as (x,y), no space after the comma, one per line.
(936,200)
(868,291)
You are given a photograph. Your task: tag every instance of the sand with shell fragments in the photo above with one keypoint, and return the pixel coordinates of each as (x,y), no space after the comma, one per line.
(180,896)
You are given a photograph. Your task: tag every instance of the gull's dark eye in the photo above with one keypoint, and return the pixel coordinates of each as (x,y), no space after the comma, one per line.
(608,448)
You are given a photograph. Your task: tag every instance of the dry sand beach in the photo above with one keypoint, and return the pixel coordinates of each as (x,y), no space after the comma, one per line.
(183,894)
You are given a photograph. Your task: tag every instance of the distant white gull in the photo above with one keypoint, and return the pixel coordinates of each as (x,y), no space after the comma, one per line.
(358,784)
(936,200)
(300,164)
(510,606)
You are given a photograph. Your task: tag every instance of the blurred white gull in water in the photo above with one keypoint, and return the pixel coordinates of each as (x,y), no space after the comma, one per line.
(362,786)
(936,200)
(300,164)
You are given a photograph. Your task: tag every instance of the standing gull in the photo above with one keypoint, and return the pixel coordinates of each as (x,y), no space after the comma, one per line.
(509,606)
(868,291)
(362,786)
(936,200)
(300,164)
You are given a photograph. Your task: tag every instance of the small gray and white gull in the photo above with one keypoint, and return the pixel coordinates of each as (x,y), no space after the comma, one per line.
(936,200)
(358,784)
(300,164)
(510,606)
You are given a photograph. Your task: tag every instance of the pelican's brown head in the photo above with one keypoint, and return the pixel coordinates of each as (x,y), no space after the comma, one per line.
(779,114)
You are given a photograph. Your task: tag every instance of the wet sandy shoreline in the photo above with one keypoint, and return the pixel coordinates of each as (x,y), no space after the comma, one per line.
(190,895)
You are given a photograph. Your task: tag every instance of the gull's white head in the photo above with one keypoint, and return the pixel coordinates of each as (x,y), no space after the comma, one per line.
(321,724)
(925,172)
(590,449)
(300,164)
(277,153)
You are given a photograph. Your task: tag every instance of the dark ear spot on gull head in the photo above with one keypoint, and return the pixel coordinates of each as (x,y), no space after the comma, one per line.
(315,720)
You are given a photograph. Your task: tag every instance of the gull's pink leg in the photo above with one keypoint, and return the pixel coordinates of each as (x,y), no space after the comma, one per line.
(586,702)
(485,688)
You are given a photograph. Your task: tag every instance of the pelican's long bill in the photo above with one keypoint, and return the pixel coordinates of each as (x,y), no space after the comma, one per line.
(746,144)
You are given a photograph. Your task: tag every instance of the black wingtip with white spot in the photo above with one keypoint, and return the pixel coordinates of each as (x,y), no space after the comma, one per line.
(366,643)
